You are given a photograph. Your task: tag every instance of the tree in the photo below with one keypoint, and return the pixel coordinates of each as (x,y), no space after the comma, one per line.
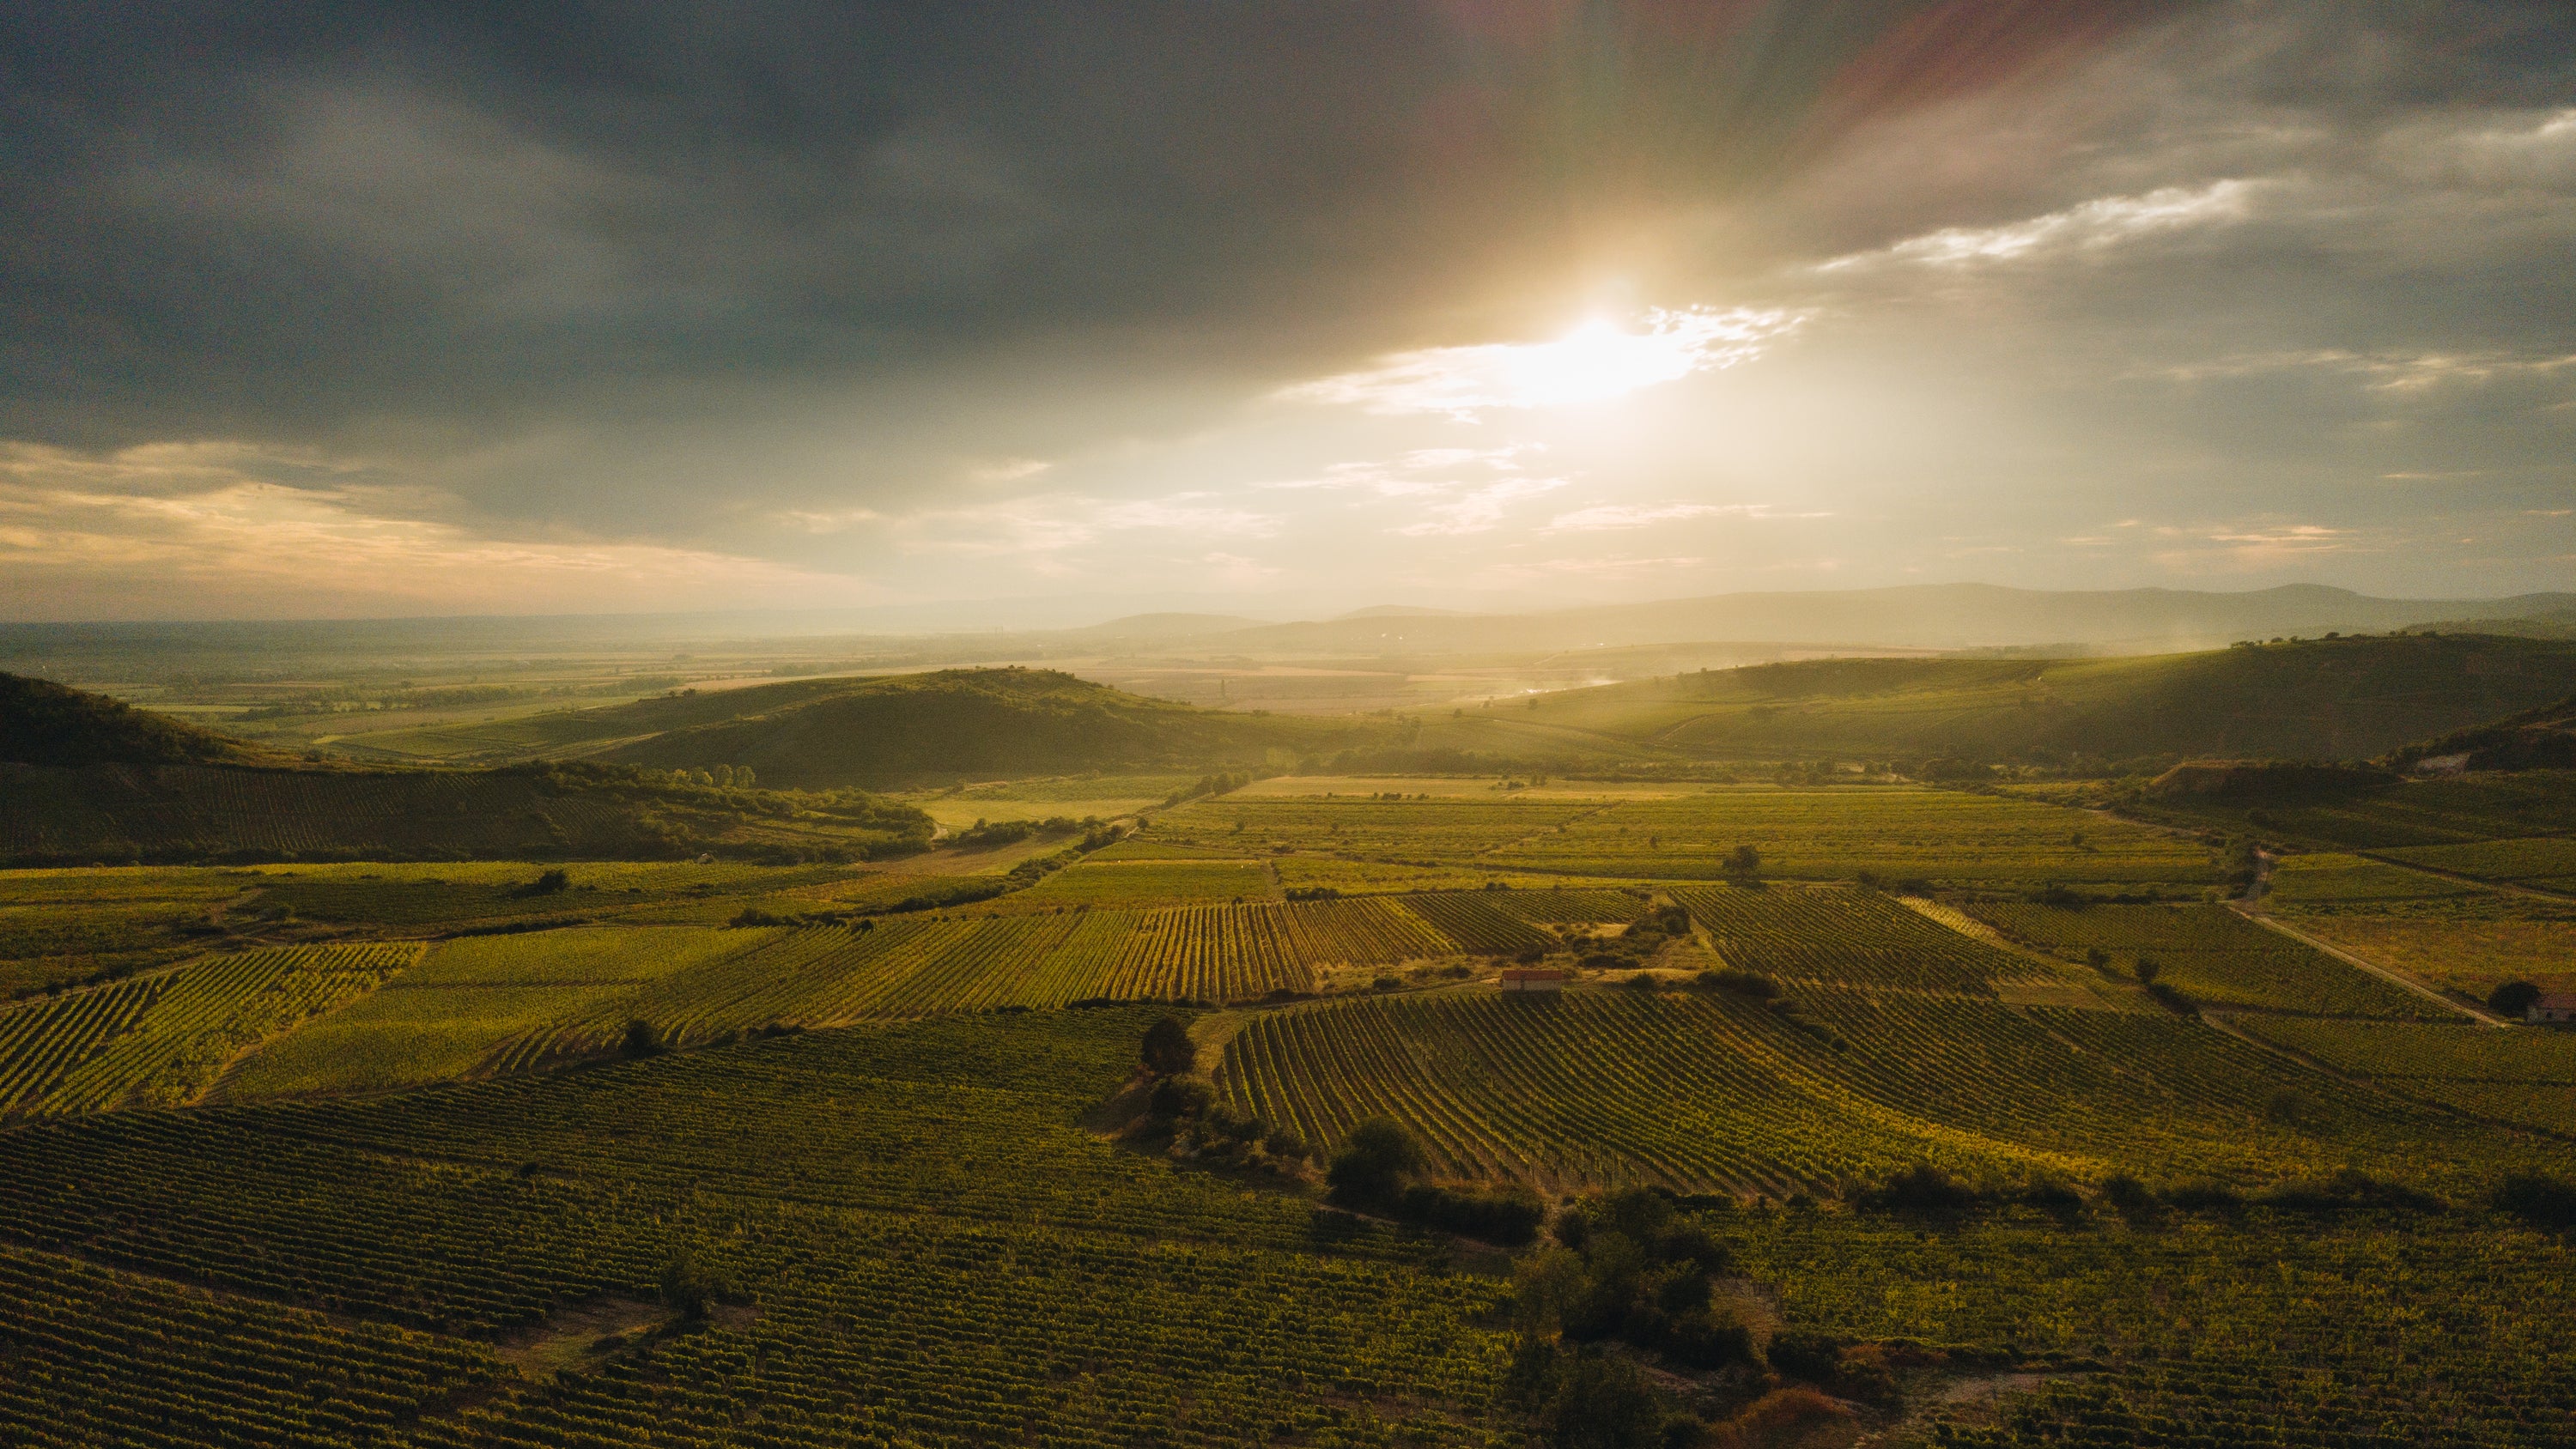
(690,1284)
(724,776)
(2513,998)
(641,1040)
(743,777)
(1168,1048)
(1602,1402)
(1376,1163)
(1743,863)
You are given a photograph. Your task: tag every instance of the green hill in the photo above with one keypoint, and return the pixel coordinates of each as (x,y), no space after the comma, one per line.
(956,724)
(2323,699)
(86,779)
(44,723)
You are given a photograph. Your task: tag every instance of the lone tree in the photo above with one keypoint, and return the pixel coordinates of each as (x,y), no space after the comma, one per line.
(1168,1049)
(2513,998)
(1376,1164)
(1743,863)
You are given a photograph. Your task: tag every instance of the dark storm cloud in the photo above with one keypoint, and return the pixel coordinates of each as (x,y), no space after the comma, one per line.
(830,292)
(278,218)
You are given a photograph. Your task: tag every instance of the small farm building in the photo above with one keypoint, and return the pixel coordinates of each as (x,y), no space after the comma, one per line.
(2552,1008)
(1530,978)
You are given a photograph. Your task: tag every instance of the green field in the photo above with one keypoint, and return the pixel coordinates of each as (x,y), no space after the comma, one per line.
(1702,1092)
(2210,954)
(468,1001)
(690,1151)
(164,1039)
(1146,882)
(1896,833)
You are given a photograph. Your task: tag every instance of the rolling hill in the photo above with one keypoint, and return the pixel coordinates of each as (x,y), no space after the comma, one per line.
(2324,699)
(44,723)
(957,724)
(85,779)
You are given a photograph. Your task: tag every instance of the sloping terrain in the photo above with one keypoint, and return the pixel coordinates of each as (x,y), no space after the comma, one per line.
(84,779)
(2324,699)
(963,724)
(44,723)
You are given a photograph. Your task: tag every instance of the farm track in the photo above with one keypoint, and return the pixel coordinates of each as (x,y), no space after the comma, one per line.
(2388,974)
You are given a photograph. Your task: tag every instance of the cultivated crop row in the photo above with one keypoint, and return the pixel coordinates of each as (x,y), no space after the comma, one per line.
(1705,1092)
(2211,954)
(1806,934)
(163,1040)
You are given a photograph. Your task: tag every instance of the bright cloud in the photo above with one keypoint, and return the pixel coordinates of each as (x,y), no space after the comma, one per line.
(1609,517)
(2092,226)
(1479,510)
(1596,362)
(205,527)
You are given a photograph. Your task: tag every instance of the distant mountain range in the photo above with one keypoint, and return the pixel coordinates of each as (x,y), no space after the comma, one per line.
(1925,616)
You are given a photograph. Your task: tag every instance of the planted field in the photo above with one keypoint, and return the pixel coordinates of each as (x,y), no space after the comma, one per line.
(1208,953)
(2526,1078)
(1478,924)
(939,1253)
(2547,862)
(1149,883)
(2434,1329)
(2466,946)
(471,999)
(1797,933)
(2488,805)
(2331,879)
(1704,1093)
(99,1357)
(1838,833)
(1365,877)
(162,1040)
(2211,954)
(1421,832)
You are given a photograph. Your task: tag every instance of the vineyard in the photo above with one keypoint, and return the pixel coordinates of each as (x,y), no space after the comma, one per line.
(2211,954)
(1896,834)
(1707,1093)
(1845,936)
(1016,1278)
(2439,1329)
(2548,863)
(2522,1077)
(1138,883)
(471,999)
(162,1040)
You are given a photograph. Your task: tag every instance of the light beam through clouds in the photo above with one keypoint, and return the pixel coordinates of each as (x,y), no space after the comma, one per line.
(1596,362)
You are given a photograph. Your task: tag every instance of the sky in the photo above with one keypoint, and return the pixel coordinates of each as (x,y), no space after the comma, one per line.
(385,309)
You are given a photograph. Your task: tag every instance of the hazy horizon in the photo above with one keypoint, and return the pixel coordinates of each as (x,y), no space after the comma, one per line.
(396,310)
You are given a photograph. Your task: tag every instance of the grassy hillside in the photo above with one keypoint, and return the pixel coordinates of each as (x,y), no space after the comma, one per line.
(44,723)
(963,724)
(892,731)
(84,779)
(2315,700)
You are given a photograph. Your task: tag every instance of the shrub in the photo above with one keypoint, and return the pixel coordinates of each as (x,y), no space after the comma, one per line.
(1510,1217)
(1168,1048)
(690,1284)
(1751,985)
(2513,998)
(1176,1097)
(2538,1199)
(1601,1402)
(640,1041)
(1803,1353)
(1377,1162)
(1922,1191)
(2131,1198)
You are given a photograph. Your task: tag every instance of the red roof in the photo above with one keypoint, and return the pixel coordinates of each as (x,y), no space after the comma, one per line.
(1533,974)
(2555,1001)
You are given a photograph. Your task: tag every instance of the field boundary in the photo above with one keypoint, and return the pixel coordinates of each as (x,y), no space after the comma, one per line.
(2390,975)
